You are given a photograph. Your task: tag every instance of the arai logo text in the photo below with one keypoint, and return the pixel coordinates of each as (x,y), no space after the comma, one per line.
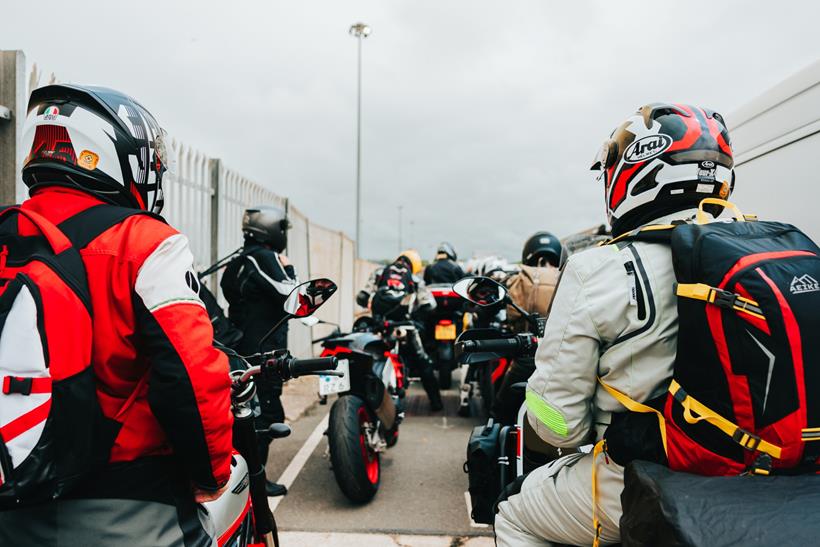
(804,283)
(647,148)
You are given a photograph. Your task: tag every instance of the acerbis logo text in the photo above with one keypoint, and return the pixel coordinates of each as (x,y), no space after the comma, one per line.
(804,283)
(647,148)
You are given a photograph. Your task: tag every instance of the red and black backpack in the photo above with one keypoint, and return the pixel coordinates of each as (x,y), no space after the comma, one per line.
(745,394)
(52,431)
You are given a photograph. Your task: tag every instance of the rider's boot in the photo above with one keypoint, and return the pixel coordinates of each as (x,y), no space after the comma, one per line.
(274,489)
(428,380)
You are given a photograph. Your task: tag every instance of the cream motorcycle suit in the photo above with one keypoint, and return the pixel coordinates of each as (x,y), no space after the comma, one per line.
(614,315)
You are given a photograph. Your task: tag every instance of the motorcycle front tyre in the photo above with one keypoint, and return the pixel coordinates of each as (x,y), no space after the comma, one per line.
(357,469)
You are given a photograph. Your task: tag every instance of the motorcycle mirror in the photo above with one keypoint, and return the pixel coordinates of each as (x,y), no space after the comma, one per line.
(308,297)
(481,291)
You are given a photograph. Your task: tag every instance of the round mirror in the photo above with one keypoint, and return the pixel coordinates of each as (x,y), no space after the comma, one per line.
(481,291)
(308,297)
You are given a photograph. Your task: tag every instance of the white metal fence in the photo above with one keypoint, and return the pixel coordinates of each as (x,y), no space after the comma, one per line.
(205,201)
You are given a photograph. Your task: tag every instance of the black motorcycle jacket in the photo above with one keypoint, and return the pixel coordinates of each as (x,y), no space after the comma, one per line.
(443,271)
(256,285)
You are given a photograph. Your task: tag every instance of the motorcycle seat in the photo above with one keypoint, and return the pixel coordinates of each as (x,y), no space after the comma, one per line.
(663,507)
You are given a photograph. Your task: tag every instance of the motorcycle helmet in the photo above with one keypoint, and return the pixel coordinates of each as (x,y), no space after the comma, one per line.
(445,251)
(665,158)
(95,139)
(543,248)
(267,224)
(413,258)
(493,267)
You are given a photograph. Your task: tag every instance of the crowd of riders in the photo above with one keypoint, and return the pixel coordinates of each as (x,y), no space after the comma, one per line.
(94,168)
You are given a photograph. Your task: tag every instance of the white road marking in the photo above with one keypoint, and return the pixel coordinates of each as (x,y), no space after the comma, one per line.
(473,524)
(299,460)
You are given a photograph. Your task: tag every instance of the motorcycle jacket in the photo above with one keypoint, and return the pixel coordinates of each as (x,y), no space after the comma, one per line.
(443,271)
(614,316)
(256,285)
(162,386)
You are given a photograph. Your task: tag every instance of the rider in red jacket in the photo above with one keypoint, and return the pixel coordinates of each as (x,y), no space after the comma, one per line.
(163,388)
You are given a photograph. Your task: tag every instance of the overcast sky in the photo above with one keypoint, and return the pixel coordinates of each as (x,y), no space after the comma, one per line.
(480,117)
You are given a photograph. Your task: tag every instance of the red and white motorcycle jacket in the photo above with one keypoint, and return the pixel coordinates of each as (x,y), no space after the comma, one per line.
(159,378)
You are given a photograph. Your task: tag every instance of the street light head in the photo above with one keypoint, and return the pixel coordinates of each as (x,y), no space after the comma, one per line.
(360,30)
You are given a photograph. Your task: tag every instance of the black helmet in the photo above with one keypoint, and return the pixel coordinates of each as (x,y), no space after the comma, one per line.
(267,224)
(95,139)
(445,250)
(542,247)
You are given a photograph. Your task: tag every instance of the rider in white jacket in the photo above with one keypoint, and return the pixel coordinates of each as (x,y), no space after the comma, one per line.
(613,317)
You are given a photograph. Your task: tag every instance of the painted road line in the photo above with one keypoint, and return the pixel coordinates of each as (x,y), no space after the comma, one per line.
(300,459)
(473,524)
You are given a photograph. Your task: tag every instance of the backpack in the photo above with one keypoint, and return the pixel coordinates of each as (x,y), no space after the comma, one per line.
(52,431)
(532,288)
(745,393)
(392,288)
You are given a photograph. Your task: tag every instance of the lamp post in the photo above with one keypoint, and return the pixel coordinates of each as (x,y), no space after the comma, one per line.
(359,31)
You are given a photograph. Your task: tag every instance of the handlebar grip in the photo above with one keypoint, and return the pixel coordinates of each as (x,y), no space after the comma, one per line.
(498,344)
(302,367)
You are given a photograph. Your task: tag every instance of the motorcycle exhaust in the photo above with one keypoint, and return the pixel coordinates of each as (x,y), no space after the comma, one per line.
(386,411)
(380,401)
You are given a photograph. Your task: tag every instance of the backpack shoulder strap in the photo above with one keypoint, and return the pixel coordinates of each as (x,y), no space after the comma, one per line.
(87,225)
(653,233)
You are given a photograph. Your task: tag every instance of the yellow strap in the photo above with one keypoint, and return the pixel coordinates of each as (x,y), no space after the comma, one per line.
(635,406)
(649,228)
(703,219)
(600,446)
(707,293)
(703,412)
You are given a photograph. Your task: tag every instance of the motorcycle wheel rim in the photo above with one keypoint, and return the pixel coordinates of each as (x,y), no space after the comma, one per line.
(370,458)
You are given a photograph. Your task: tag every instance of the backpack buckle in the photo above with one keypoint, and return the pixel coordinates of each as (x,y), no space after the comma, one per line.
(747,440)
(762,465)
(12,384)
(724,299)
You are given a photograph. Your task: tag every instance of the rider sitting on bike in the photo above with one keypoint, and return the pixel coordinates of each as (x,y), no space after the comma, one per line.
(531,288)
(614,316)
(163,389)
(444,269)
(400,295)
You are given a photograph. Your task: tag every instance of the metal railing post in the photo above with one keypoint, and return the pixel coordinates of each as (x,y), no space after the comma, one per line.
(215,167)
(12,107)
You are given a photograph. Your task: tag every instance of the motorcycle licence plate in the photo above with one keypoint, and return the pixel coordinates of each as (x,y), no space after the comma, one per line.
(446,332)
(329,385)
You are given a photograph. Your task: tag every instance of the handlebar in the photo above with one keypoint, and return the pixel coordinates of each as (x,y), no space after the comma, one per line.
(303,367)
(521,344)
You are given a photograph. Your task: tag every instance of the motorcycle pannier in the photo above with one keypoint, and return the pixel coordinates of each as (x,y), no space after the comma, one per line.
(667,508)
(483,472)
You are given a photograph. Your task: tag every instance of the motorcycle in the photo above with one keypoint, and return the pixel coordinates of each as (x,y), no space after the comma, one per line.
(484,371)
(365,417)
(446,324)
(242,516)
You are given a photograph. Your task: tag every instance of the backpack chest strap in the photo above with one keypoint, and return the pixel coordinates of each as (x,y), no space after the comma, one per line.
(719,297)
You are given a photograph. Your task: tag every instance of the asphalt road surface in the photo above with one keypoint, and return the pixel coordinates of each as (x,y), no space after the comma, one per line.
(422,496)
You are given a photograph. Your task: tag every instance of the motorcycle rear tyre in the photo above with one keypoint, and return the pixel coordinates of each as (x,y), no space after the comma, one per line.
(347,454)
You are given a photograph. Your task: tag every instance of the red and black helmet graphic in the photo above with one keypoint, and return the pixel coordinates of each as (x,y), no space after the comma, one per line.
(664,158)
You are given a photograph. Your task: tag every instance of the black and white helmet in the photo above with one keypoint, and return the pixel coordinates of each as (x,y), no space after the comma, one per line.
(267,224)
(95,139)
(445,250)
